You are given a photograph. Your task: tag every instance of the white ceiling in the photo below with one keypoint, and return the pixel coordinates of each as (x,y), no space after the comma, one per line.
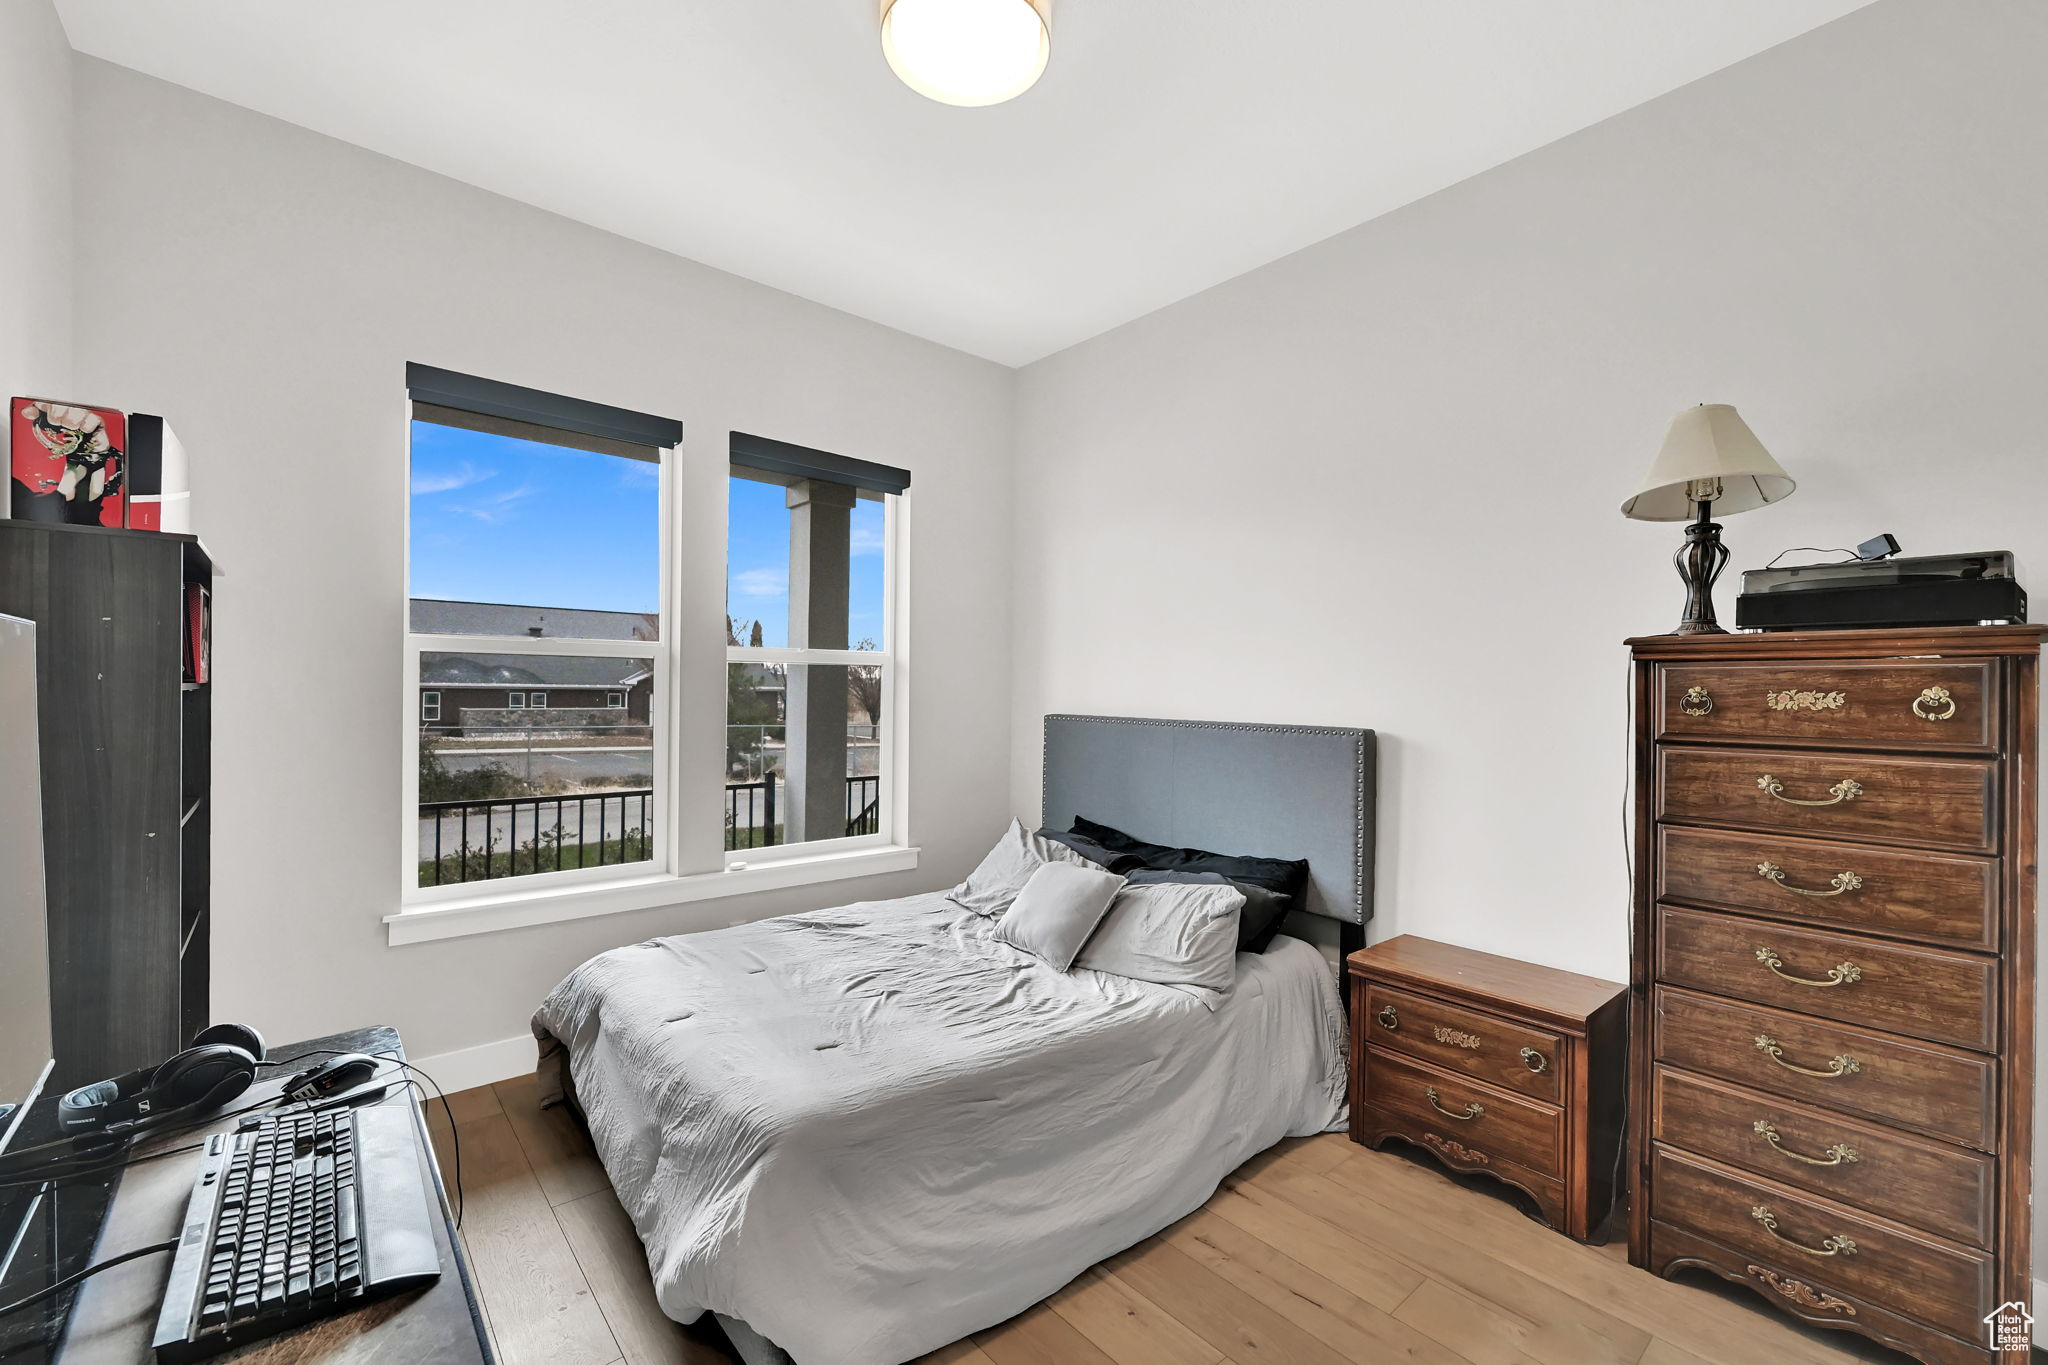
(1171,145)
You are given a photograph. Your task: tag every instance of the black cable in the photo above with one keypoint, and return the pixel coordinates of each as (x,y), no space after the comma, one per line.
(84,1172)
(60,1286)
(127,1141)
(1815,549)
(1628,1032)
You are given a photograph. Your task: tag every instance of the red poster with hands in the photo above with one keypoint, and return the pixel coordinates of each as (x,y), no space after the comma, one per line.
(69,462)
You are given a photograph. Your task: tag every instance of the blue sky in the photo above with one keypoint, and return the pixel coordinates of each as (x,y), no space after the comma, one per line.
(757,558)
(496,519)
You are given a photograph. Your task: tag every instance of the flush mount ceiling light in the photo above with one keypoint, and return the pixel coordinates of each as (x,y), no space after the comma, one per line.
(967,52)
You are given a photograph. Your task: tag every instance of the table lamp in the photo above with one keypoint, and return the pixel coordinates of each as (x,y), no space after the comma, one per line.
(1711,462)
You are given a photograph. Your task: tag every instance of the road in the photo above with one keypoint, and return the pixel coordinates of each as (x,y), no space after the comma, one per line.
(569,765)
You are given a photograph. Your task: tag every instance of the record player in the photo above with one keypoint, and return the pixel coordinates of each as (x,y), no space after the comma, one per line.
(1926,590)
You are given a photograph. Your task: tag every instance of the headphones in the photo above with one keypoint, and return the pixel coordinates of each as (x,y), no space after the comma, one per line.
(220,1064)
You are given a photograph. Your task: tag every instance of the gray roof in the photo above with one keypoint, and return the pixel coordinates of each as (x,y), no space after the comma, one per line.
(437,616)
(528,670)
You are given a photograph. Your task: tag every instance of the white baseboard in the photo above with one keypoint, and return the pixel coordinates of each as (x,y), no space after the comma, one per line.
(485,1064)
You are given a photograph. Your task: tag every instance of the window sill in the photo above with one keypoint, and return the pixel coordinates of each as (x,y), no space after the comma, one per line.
(518,910)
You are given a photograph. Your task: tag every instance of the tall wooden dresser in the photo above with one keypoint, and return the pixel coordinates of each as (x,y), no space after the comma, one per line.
(1833,979)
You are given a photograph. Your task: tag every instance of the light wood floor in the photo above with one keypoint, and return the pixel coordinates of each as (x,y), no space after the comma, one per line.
(1317,1252)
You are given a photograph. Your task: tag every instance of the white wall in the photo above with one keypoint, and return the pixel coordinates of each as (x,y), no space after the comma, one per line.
(264,287)
(35,202)
(1377,483)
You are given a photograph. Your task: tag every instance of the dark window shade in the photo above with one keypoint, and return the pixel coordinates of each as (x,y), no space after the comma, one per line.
(487,398)
(801,462)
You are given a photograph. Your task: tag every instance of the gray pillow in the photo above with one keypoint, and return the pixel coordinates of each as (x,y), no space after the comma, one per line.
(1057,910)
(1174,933)
(991,887)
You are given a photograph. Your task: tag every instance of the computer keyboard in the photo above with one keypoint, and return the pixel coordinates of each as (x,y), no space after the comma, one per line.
(297,1216)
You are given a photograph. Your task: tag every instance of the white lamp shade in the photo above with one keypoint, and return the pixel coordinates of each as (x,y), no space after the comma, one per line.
(1710,441)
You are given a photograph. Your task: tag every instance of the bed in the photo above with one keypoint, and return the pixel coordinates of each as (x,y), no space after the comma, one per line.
(865,1132)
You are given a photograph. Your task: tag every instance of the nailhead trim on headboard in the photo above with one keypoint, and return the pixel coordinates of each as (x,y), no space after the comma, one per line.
(1358,737)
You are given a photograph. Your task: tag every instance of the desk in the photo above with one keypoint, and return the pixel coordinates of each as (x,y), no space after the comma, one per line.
(114,1314)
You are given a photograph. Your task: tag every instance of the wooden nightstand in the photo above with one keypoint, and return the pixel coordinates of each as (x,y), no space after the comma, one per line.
(1496,1067)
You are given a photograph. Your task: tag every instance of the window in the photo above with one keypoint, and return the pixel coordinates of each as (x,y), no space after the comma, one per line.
(535,549)
(810,674)
(542,567)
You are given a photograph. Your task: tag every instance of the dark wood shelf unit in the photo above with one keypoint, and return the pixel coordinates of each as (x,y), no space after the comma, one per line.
(126,769)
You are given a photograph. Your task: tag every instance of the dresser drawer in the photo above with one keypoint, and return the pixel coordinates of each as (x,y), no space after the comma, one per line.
(1947,1190)
(1946,898)
(1458,1038)
(1907,704)
(1934,802)
(1932,993)
(1936,1281)
(1484,1119)
(1922,1086)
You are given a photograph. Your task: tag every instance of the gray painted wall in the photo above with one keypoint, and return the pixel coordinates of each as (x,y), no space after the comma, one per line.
(266,297)
(36,167)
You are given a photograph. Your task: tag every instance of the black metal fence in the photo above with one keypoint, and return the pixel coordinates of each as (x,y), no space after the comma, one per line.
(472,841)
(753,810)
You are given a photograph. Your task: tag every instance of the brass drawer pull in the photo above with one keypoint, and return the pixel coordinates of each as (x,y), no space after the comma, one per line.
(1389,1017)
(1935,704)
(1535,1060)
(1697,701)
(1848,789)
(1841,1065)
(1834,1156)
(1806,701)
(1847,974)
(1843,881)
(1472,1110)
(1837,1245)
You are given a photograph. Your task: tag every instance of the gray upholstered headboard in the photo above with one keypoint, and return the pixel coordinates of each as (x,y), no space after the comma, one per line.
(1272,791)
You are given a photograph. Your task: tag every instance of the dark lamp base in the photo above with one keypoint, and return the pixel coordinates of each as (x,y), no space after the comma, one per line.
(1699,562)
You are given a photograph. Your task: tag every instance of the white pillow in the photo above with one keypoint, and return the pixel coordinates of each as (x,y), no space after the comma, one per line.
(991,887)
(1174,933)
(1057,910)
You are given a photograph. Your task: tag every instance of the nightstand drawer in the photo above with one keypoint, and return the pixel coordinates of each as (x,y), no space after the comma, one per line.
(1931,1089)
(1481,1117)
(1479,1045)
(1944,1189)
(1946,897)
(1935,1281)
(1930,802)
(1932,993)
(1914,704)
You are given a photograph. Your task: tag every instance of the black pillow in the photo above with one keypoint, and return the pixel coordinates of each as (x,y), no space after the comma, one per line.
(1286,876)
(1114,859)
(1257,923)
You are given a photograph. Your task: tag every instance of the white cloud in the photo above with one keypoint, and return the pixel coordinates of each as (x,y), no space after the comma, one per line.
(442,481)
(496,507)
(760,583)
(866,540)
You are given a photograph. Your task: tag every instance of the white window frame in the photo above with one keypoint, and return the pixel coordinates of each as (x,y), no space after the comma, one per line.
(690,862)
(430,706)
(893,815)
(537,701)
(611,705)
(515,701)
